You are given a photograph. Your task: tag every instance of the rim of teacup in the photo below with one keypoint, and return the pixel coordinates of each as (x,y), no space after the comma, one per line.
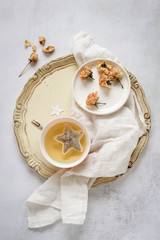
(42,138)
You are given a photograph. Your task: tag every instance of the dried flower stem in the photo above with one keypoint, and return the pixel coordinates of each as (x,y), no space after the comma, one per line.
(24,68)
(117,79)
(96,104)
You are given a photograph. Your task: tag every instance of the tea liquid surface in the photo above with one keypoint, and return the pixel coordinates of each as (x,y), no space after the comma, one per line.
(54,148)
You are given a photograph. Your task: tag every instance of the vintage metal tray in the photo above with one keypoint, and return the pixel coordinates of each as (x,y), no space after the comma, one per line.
(45,89)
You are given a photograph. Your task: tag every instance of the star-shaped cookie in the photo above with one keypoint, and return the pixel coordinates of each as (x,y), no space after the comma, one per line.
(70,139)
(56,110)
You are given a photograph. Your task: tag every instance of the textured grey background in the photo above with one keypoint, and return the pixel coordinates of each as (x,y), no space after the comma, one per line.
(128,209)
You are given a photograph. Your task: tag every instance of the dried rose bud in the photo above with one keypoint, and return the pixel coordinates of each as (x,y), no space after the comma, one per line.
(42,40)
(34,48)
(86,73)
(115,72)
(49,49)
(104,81)
(103,67)
(33,57)
(92,100)
(27,43)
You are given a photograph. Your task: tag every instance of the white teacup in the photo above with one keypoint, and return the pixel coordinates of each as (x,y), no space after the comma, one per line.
(46,128)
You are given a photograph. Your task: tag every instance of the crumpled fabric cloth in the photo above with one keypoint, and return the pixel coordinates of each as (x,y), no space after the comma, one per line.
(113,139)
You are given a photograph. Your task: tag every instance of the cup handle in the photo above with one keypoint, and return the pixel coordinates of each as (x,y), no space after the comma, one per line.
(37,124)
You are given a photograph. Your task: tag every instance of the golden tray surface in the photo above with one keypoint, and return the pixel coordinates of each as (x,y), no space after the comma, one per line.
(45,89)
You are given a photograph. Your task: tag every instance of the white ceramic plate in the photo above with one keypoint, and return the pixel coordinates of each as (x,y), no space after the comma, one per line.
(115,97)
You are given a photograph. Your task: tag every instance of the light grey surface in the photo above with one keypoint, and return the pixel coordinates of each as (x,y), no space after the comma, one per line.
(128,209)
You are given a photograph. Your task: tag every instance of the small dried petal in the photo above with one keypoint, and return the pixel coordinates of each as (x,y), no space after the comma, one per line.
(33,57)
(49,49)
(42,40)
(34,48)
(27,43)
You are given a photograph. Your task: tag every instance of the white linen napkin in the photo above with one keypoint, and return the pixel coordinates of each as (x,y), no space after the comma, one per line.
(113,139)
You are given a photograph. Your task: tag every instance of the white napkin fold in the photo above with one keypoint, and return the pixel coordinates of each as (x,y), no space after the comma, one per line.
(113,139)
